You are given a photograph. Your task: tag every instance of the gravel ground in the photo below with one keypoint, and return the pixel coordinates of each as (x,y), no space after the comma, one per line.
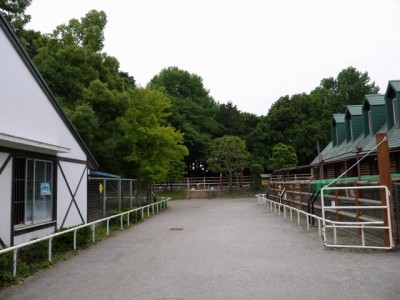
(216,249)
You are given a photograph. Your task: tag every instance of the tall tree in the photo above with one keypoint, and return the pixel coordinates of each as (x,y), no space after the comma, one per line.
(283,156)
(154,147)
(259,142)
(230,117)
(299,121)
(193,112)
(228,155)
(87,83)
(14,12)
(348,88)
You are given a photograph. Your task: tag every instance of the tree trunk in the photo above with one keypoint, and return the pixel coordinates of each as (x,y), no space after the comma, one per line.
(230,181)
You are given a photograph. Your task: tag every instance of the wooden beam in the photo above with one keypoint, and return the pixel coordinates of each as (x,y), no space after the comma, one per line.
(386,180)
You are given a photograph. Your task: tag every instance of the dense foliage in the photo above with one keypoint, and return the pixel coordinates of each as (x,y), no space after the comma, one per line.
(228,156)
(168,129)
(283,156)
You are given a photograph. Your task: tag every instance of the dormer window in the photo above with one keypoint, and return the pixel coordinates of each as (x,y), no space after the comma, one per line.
(351,130)
(337,137)
(394,106)
(370,121)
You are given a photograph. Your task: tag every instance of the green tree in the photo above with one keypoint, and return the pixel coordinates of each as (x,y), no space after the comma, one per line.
(88,32)
(283,156)
(300,121)
(14,12)
(154,147)
(228,155)
(255,171)
(70,59)
(259,142)
(193,112)
(88,84)
(348,88)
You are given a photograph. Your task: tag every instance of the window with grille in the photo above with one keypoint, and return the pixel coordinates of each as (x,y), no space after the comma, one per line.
(33,191)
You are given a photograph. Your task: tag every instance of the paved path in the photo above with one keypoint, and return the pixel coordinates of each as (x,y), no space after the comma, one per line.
(228,249)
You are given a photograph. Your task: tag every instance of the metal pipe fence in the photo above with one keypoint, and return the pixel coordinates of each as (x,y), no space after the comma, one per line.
(207,183)
(155,208)
(324,223)
(108,194)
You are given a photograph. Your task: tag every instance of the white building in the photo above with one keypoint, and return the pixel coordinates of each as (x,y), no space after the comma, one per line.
(43,161)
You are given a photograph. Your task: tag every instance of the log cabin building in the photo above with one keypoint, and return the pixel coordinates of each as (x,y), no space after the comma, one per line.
(354,135)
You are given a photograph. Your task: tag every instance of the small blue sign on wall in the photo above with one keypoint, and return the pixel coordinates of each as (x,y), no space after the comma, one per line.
(45,189)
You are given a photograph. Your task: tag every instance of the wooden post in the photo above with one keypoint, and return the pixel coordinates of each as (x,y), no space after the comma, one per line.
(301,196)
(294,189)
(386,180)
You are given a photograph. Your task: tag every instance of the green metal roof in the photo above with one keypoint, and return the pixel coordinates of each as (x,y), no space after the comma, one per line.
(346,150)
(338,118)
(376,99)
(395,84)
(354,110)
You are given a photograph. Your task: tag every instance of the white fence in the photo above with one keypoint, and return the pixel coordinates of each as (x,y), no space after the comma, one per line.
(375,225)
(155,207)
(207,183)
(324,223)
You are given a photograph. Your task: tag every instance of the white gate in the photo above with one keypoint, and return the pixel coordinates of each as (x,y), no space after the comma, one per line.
(362,226)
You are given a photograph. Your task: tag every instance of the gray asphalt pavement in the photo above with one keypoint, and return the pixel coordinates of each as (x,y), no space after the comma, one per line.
(217,249)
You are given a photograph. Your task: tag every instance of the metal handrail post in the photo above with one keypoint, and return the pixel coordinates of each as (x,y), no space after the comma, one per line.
(75,231)
(50,246)
(104,197)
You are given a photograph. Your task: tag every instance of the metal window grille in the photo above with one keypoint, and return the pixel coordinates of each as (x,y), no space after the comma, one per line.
(33,186)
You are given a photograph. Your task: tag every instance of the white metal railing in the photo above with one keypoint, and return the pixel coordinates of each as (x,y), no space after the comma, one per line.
(376,225)
(298,178)
(322,221)
(277,206)
(160,205)
(207,183)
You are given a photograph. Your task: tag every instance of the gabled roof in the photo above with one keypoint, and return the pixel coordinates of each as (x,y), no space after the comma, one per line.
(346,151)
(394,84)
(354,110)
(40,81)
(375,99)
(338,118)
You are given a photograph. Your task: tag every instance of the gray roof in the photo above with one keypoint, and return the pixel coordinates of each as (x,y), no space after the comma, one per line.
(375,99)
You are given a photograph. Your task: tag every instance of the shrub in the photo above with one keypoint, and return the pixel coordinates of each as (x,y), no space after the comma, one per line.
(65,242)
(6,267)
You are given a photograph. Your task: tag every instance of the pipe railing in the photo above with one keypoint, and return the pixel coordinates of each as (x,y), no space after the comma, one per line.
(159,205)
(359,225)
(277,207)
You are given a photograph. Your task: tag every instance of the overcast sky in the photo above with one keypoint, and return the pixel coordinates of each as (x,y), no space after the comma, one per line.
(249,52)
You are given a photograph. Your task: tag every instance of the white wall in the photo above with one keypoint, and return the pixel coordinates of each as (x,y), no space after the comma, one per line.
(19,239)
(5,200)
(25,110)
(73,173)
